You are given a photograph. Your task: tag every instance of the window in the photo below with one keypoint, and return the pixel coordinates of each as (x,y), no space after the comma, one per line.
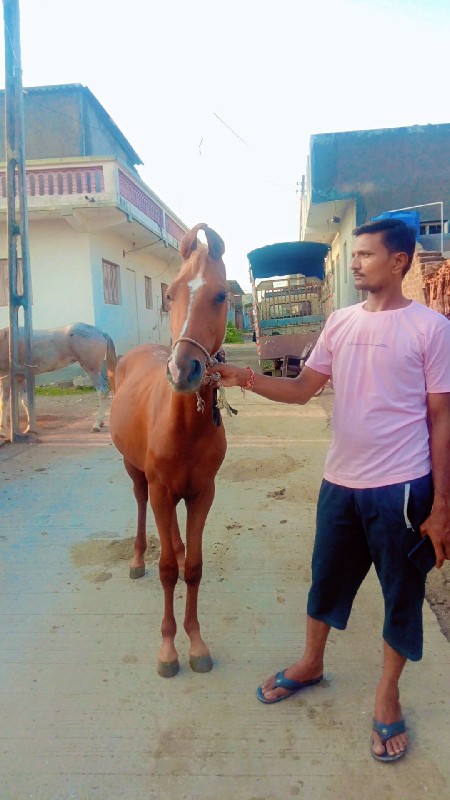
(164,301)
(433,226)
(111,283)
(148,292)
(4,280)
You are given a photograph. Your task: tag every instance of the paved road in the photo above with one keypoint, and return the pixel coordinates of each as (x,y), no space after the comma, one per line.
(84,714)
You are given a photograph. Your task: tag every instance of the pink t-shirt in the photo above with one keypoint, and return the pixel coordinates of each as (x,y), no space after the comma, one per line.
(383,364)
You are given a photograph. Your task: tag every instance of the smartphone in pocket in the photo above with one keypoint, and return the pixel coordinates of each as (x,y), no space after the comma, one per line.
(423,555)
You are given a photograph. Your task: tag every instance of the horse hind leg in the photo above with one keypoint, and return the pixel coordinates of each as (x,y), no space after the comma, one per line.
(140,488)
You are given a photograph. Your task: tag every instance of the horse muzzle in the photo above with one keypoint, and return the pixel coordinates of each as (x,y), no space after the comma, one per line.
(185,377)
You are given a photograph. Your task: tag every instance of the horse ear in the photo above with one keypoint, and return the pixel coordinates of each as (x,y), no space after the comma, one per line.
(189,241)
(216,246)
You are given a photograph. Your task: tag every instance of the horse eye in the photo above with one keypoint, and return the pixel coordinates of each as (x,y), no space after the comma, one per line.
(221,297)
(168,297)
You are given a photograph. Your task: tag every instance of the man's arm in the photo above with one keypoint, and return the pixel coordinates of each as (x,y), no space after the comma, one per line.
(283,390)
(438,523)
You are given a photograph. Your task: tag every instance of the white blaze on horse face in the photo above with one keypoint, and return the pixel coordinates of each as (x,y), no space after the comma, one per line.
(194,285)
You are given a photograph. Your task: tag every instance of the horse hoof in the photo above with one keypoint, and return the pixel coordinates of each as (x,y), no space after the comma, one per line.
(137,572)
(96,429)
(168,669)
(201,663)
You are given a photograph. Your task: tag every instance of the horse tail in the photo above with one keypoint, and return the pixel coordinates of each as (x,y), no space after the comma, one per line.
(111,361)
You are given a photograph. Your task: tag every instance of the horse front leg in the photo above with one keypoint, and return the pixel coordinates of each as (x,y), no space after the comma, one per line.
(197,512)
(24,400)
(163,509)
(140,488)
(178,546)
(102,390)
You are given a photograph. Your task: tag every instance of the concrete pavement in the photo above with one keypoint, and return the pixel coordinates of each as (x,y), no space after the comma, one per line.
(84,714)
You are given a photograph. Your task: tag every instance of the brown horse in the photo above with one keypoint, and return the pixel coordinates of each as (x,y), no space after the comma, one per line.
(165,422)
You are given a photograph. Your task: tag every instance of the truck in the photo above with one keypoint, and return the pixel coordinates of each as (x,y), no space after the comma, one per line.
(287,311)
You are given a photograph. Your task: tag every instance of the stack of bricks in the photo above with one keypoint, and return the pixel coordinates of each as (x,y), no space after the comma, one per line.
(437,288)
(425,263)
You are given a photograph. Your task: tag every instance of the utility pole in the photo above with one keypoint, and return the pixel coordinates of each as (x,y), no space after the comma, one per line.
(19,296)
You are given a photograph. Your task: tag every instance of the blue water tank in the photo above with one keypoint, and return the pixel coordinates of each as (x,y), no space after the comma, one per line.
(410,218)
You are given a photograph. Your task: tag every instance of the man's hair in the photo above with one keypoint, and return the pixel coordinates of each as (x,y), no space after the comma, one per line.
(398,237)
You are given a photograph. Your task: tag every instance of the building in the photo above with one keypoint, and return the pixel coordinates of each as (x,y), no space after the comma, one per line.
(354,176)
(103,246)
(236,311)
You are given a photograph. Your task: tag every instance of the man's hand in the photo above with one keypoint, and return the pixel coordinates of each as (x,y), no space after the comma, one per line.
(281,390)
(438,523)
(437,526)
(231,375)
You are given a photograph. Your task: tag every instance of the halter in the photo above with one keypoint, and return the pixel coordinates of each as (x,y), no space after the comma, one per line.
(210,360)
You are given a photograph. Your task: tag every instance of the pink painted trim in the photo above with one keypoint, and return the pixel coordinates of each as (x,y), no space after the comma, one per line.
(137,197)
(68,181)
(174,229)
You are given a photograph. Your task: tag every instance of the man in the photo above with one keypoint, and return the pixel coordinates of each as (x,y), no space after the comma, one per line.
(389,358)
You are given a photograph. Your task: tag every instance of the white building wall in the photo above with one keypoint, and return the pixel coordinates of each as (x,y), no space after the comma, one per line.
(67,278)
(345,292)
(60,274)
(131,322)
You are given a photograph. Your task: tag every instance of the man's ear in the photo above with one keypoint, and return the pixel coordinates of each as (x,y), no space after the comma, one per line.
(401,260)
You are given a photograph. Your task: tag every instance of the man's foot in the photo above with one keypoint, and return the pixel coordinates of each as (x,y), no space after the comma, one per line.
(298,672)
(387,712)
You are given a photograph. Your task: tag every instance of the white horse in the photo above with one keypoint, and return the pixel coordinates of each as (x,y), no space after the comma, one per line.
(54,349)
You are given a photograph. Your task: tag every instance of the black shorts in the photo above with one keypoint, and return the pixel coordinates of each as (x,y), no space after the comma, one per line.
(360,527)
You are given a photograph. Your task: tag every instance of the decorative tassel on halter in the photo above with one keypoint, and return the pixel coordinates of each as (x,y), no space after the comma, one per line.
(200,403)
(222,402)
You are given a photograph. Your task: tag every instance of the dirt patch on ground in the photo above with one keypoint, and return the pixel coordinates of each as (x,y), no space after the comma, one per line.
(107,552)
(247,469)
(58,412)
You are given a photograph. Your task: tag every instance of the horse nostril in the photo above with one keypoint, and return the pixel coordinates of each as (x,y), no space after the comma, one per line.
(195,372)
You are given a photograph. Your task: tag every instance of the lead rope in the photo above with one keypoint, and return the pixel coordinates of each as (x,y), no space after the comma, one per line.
(222,401)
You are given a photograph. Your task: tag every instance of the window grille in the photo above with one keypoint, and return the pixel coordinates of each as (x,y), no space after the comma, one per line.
(111,283)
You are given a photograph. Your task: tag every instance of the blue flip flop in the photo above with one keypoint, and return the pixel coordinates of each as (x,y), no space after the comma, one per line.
(386,732)
(285,683)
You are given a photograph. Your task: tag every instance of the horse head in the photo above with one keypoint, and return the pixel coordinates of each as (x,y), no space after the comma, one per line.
(198,300)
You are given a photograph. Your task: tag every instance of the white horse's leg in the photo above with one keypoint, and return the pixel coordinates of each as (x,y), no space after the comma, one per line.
(24,400)
(102,388)
(4,406)
(5,393)
(100,421)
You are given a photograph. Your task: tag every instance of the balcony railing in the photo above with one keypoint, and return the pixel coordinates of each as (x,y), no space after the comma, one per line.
(131,192)
(94,180)
(68,181)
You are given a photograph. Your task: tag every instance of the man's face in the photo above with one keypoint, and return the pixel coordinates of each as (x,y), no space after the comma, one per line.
(374,267)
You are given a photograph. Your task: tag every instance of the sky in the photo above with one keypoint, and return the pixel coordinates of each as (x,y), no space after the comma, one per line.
(219,99)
